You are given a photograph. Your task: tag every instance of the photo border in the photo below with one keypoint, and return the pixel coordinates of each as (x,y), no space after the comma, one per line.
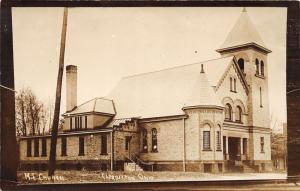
(9,163)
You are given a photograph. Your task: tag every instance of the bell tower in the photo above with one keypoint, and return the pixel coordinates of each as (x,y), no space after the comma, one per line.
(245,43)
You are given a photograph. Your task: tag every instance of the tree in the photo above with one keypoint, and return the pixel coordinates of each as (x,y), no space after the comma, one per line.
(31,115)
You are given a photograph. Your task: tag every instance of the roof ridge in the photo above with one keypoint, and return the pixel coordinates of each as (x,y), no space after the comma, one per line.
(104,98)
(175,67)
(86,102)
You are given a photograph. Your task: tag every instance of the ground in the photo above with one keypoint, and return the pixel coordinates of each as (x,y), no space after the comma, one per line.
(120,176)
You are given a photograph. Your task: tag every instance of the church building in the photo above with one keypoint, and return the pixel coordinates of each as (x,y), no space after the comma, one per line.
(210,116)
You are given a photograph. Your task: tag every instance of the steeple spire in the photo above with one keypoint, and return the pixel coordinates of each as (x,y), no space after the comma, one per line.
(243,33)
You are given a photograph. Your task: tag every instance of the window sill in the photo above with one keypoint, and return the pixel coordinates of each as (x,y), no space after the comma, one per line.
(206,150)
(230,121)
(218,150)
(233,91)
(63,155)
(260,76)
(154,151)
(81,155)
(144,151)
(103,153)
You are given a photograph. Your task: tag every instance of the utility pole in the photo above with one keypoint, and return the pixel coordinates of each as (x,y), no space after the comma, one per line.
(52,159)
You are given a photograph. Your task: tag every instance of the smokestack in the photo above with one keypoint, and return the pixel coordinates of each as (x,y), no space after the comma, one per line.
(71,87)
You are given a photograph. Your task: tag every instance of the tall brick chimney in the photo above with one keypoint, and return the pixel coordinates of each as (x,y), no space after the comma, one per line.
(71,87)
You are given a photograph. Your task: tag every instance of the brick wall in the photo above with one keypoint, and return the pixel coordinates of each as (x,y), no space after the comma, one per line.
(194,134)
(92,145)
(169,141)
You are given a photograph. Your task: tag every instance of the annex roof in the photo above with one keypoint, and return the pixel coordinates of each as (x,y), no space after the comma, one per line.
(96,105)
(166,92)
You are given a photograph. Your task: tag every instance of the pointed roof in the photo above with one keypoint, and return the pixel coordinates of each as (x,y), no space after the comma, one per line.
(243,33)
(166,92)
(202,94)
(96,105)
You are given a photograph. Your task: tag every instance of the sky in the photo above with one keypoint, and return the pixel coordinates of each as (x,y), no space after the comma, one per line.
(107,44)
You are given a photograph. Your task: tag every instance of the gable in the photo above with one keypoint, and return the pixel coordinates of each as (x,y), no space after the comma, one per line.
(223,88)
(233,71)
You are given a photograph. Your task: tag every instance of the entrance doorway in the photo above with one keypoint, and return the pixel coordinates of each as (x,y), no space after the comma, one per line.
(234,148)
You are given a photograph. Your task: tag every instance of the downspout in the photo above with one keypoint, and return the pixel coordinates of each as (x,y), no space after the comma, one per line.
(214,134)
(111,151)
(183,161)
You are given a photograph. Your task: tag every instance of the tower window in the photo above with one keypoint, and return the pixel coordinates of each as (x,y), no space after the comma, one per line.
(238,114)
(262,68)
(260,97)
(262,144)
(241,64)
(228,112)
(230,83)
(257,66)
(154,140)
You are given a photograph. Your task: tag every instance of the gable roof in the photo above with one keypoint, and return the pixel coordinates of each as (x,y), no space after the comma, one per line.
(243,33)
(96,105)
(166,92)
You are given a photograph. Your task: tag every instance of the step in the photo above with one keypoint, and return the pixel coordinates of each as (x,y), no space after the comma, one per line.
(131,167)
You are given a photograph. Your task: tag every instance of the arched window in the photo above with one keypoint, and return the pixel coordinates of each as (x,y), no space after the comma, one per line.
(241,64)
(206,137)
(218,138)
(154,140)
(145,141)
(228,112)
(238,114)
(262,68)
(230,83)
(257,66)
